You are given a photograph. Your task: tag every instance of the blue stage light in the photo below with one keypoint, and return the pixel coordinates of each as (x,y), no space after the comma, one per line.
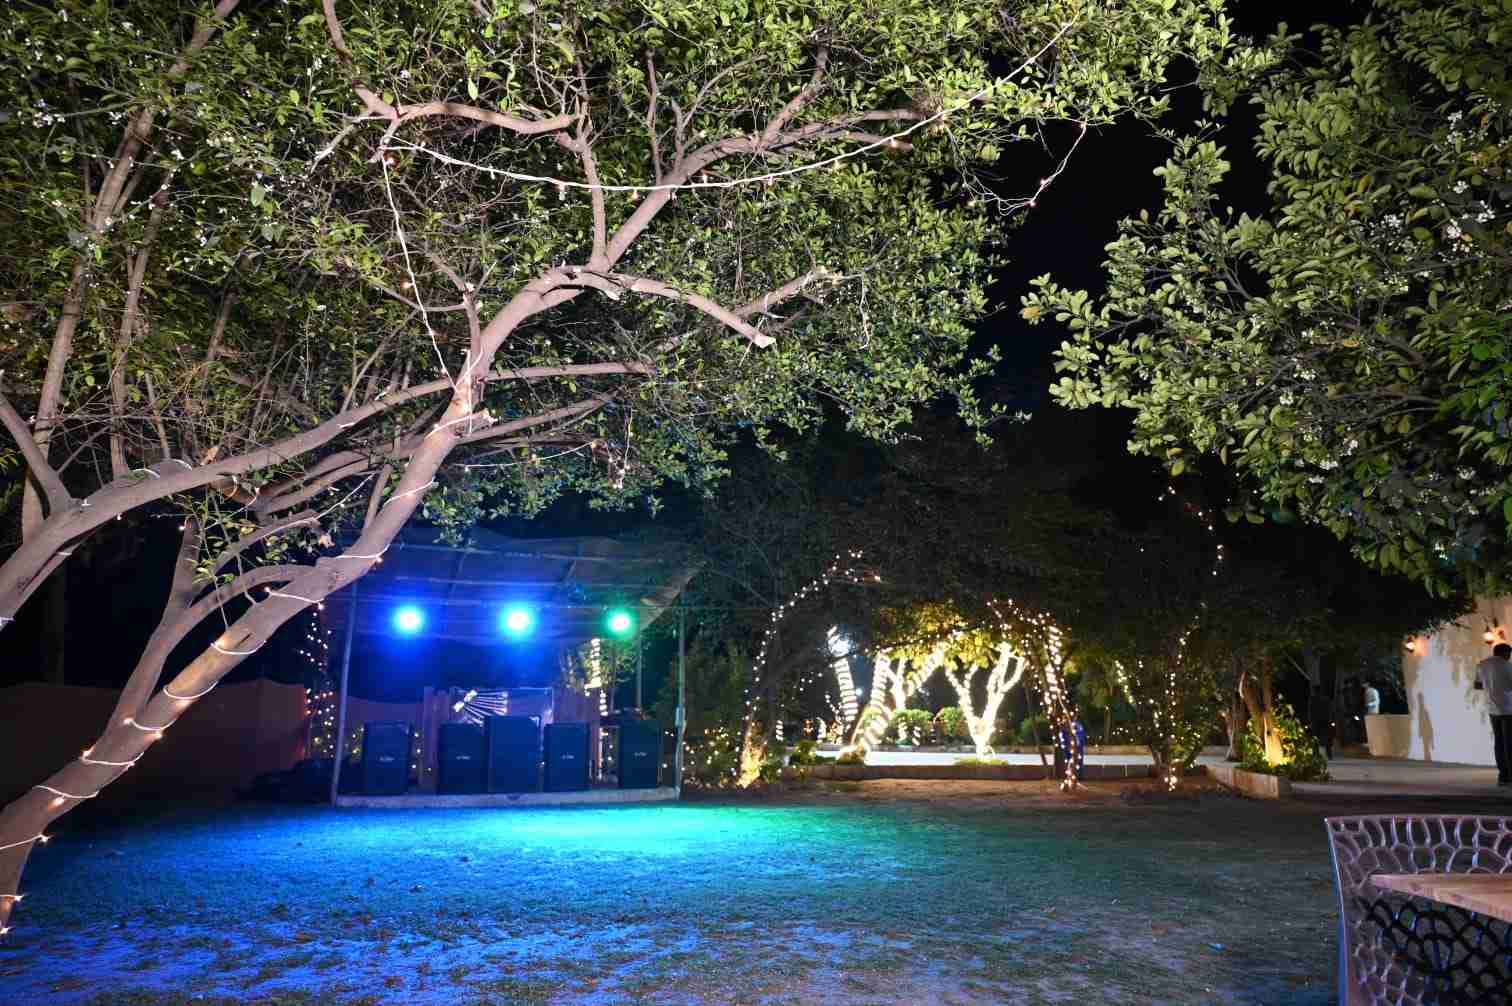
(409,619)
(518,621)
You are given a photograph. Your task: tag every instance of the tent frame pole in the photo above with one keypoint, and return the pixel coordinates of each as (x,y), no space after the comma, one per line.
(682,694)
(341,695)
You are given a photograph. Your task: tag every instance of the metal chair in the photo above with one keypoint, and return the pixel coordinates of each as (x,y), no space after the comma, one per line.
(1402,950)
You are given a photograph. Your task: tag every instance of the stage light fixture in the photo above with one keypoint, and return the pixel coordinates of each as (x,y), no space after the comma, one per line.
(620,622)
(409,619)
(517,621)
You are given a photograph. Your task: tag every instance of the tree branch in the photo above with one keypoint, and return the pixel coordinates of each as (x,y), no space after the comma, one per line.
(785,292)
(251,538)
(398,114)
(613,285)
(46,477)
(779,121)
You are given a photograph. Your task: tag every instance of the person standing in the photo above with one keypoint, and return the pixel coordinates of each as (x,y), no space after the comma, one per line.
(1494,675)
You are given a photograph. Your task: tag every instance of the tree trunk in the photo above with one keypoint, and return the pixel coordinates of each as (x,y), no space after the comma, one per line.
(1108,725)
(126,738)
(1039,747)
(1256,691)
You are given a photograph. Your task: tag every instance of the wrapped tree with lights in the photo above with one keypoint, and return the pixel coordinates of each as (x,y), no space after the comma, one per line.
(940,638)
(296,270)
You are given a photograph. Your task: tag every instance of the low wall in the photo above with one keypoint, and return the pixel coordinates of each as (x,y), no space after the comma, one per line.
(1090,773)
(1252,784)
(222,743)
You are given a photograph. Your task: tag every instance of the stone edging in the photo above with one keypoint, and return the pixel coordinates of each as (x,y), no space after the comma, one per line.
(1252,784)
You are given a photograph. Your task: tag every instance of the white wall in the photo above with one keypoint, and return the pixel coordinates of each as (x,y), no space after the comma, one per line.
(1449,718)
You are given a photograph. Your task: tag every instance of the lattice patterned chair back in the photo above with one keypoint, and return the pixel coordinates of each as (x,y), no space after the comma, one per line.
(1401,950)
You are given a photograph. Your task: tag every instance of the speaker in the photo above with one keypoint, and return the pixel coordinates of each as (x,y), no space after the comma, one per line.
(385,757)
(461,767)
(513,746)
(639,754)
(566,756)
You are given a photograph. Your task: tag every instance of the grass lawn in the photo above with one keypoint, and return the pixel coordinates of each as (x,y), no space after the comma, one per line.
(882,892)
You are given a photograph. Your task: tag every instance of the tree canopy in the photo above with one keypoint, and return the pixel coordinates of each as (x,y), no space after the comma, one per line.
(1347,352)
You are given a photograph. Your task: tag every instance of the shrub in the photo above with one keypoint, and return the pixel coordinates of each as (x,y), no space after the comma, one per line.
(1026,729)
(713,759)
(771,768)
(974,760)
(912,725)
(1304,760)
(855,756)
(804,753)
(950,724)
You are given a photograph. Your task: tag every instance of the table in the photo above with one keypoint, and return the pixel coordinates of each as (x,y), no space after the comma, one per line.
(1460,943)
(1488,894)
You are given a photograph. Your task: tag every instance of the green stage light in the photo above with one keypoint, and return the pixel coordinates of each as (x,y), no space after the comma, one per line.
(620,622)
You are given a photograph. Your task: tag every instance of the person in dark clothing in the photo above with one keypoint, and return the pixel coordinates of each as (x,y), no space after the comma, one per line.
(1320,712)
(1494,676)
(1064,737)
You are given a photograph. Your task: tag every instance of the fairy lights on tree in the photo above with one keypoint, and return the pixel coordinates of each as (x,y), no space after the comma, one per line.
(320,694)
(844,568)
(1042,643)
(1003,675)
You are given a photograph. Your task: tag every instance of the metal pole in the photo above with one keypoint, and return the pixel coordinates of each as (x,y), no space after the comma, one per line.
(341,694)
(640,660)
(682,694)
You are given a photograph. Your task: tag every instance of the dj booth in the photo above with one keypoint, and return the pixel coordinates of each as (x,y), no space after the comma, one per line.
(512,754)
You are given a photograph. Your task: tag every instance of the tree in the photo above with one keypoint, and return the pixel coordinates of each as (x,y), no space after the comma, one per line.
(640,228)
(1347,351)
(935,636)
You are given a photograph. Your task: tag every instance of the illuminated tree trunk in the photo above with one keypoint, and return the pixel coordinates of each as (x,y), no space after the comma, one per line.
(981,723)
(1256,691)
(894,682)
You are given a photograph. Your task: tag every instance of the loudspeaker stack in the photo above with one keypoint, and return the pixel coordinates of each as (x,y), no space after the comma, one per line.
(513,746)
(462,766)
(385,757)
(639,754)
(566,757)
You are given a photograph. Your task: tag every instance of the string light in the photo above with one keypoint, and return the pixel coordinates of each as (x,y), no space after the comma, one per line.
(39,839)
(190,698)
(218,648)
(87,760)
(61,796)
(410,492)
